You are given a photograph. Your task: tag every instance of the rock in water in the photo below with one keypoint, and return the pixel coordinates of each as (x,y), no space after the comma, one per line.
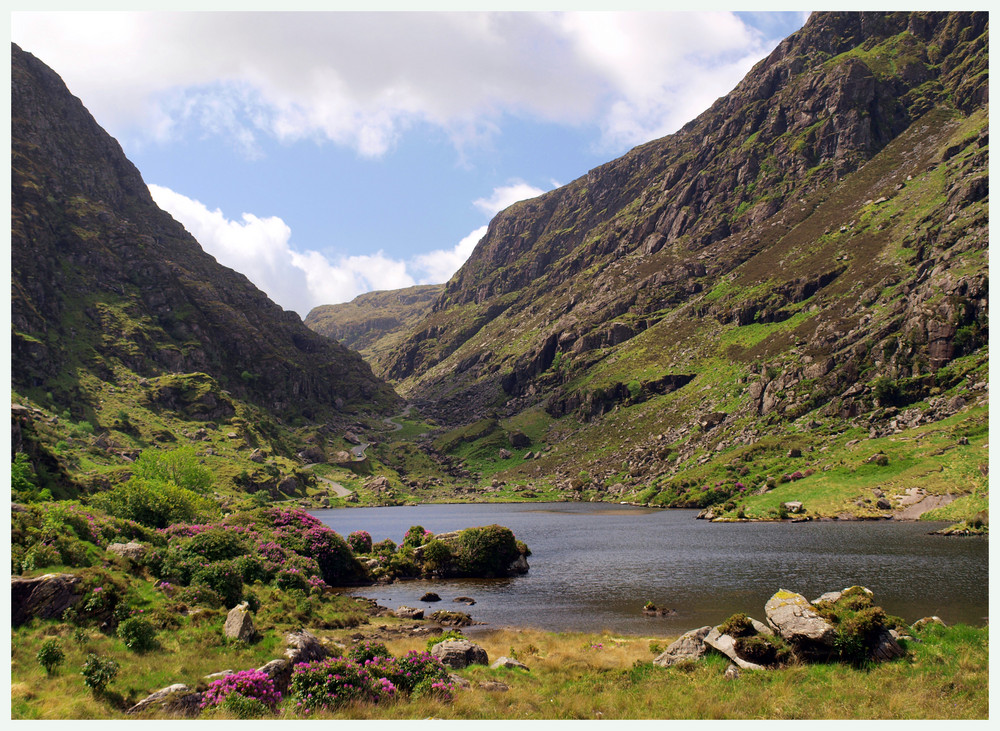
(793,618)
(690,646)
(458,654)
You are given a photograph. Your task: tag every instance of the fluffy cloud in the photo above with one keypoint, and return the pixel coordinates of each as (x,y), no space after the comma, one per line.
(363,79)
(260,248)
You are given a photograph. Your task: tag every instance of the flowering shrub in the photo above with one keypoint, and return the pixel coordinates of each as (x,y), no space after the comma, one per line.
(291,578)
(223,578)
(360,541)
(247,694)
(97,672)
(215,544)
(417,536)
(50,655)
(420,666)
(386,547)
(367,650)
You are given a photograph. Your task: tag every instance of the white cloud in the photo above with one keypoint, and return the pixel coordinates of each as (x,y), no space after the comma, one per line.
(363,79)
(260,248)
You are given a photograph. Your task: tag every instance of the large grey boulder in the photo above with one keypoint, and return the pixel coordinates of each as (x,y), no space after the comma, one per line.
(45,597)
(176,699)
(458,654)
(689,646)
(280,673)
(409,613)
(239,624)
(303,646)
(794,619)
(132,550)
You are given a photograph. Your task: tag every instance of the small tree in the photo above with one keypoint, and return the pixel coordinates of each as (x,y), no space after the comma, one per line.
(50,655)
(97,672)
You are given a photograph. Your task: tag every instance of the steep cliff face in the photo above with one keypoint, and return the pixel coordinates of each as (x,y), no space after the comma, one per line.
(109,291)
(738,216)
(373,323)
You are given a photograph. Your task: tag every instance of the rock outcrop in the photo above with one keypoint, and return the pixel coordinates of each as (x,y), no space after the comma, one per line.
(794,619)
(44,597)
(458,654)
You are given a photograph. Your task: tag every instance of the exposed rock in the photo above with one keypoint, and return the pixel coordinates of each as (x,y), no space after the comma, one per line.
(494,686)
(459,681)
(886,647)
(883,504)
(689,646)
(458,654)
(256,456)
(352,438)
(239,624)
(727,646)
(732,672)
(505,453)
(452,619)
(303,646)
(132,550)
(793,618)
(464,600)
(176,700)
(280,673)
(508,662)
(220,674)
(519,565)
(793,506)
(430,597)
(409,613)
(44,597)
(518,440)
(924,621)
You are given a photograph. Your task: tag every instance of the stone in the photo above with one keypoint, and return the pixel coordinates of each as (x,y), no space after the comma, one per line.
(459,681)
(727,646)
(518,440)
(793,618)
(494,686)
(886,647)
(505,453)
(45,597)
(430,597)
(132,550)
(464,600)
(239,624)
(732,672)
(883,504)
(509,662)
(794,452)
(176,699)
(257,456)
(280,673)
(519,565)
(220,674)
(924,621)
(458,654)
(303,646)
(409,613)
(793,506)
(689,646)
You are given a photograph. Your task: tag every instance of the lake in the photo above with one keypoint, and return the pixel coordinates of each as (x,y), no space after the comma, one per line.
(594,565)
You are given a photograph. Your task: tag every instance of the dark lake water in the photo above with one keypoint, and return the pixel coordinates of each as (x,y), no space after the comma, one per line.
(593,566)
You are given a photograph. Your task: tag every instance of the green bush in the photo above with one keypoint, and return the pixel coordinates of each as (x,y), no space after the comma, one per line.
(153,503)
(137,634)
(50,655)
(223,578)
(178,466)
(216,544)
(367,650)
(436,556)
(486,551)
(738,625)
(416,536)
(762,650)
(244,708)
(98,672)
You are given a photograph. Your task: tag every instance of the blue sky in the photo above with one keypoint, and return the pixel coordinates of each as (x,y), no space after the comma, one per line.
(328,154)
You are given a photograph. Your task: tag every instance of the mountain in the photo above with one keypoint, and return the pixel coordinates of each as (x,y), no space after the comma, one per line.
(809,255)
(373,323)
(120,319)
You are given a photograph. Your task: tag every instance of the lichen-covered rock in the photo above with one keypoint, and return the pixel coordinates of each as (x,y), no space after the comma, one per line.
(239,624)
(727,646)
(794,619)
(689,646)
(176,699)
(409,613)
(458,654)
(509,662)
(303,646)
(132,550)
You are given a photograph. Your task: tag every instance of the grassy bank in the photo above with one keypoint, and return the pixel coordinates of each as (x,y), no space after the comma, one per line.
(571,676)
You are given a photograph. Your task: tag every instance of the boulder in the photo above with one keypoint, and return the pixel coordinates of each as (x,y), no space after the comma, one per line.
(883,504)
(280,673)
(239,624)
(886,647)
(505,453)
(732,673)
(509,662)
(924,621)
(793,618)
(690,646)
(452,619)
(132,550)
(834,596)
(519,565)
(45,597)
(459,681)
(727,646)
(303,646)
(430,597)
(257,456)
(464,600)
(494,686)
(409,613)
(176,699)
(793,506)
(519,440)
(457,654)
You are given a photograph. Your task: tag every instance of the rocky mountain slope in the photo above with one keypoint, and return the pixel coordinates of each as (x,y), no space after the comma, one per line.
(375,322)
(120,318)
(809,253)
